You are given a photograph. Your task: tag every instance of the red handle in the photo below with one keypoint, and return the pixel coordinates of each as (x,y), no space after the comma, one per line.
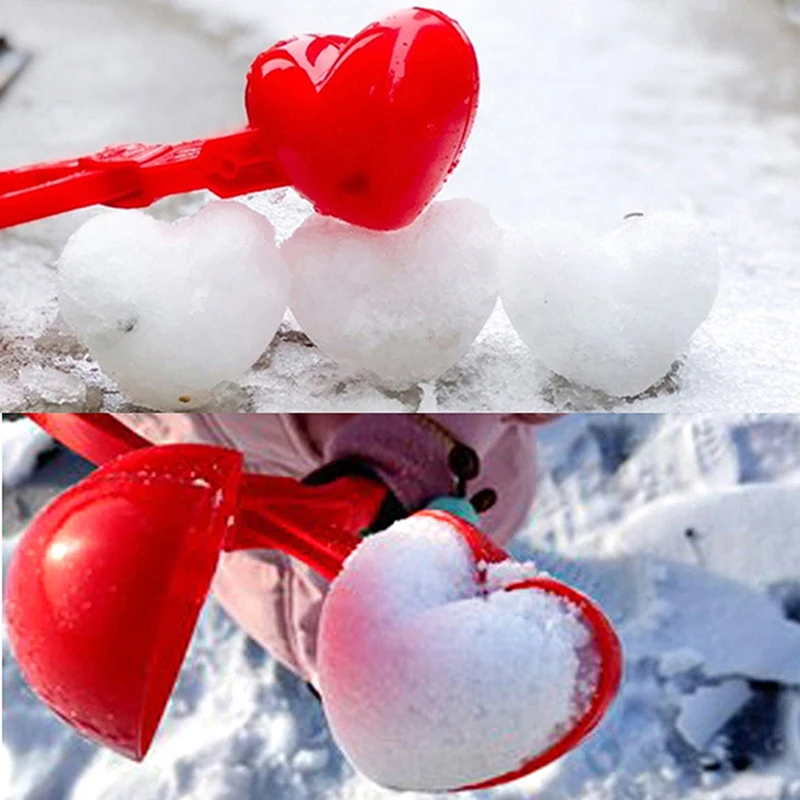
(136,175)
(319,525)
(96,437)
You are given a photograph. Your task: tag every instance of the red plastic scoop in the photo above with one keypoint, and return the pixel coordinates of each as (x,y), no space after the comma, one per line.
(320,525)
(604,647)
(106,584)
(105,587)
(366,128)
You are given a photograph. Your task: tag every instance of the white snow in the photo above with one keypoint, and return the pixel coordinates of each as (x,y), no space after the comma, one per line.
(23,441)
(613,530)
(757,560)
(6,766)
(428,682)
(52,389)
(610,313)
(678,610)
(677,661)
(588,111)
(703,712)
(404,305)
(283,735)
(172,310)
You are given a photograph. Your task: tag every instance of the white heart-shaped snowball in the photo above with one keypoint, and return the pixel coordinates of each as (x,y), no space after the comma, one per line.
(431,682)
(171,310)
(611,313)
(404,305)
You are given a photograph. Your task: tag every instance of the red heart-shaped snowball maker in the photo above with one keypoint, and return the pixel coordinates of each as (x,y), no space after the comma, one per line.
(104,589)
(106,584)
(369,128)
(443,667)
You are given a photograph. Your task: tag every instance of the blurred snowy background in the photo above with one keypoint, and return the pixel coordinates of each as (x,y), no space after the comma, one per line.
(686,529)
(589,111)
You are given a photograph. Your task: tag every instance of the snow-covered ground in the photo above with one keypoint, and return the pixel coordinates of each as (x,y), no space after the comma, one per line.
(710,621)
(22,442)
(589,111)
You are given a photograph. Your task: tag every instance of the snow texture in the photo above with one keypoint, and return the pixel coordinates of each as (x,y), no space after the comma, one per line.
(404,305)
(588,112)
(614,313)
(22,444)
(172,310)
(430,683)
(708,708)
(616,497)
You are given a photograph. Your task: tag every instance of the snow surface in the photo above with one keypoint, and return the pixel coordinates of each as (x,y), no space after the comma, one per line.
(404,305)
(22,443)
(173,310)
(589,111)
(429,682)
(611,313)
(616,495)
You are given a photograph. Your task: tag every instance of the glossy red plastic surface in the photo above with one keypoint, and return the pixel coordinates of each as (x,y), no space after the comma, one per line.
(368,128)
(96,437)
(136,175)
(604,649)
(106,584)
(319,525)
(104,589)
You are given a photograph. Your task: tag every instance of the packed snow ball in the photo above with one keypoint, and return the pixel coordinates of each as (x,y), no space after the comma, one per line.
(611,313)
(403,305)
(428,682)
(171,310)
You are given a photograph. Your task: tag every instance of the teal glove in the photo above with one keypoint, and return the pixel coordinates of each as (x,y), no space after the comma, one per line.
(458,507)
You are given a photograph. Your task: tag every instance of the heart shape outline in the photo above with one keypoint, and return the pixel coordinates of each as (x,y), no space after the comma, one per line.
(368,128)
(612,312)
(609,648)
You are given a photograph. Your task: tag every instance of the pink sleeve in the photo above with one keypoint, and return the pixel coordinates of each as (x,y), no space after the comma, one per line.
(277,600)
(273,598)
(170,428)
(409,452)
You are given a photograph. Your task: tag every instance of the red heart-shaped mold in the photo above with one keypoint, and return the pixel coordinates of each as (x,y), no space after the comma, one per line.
(368,128)
(602,654)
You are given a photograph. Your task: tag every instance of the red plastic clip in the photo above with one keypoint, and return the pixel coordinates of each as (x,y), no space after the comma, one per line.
(320,525)
(136,175)
(367,129)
